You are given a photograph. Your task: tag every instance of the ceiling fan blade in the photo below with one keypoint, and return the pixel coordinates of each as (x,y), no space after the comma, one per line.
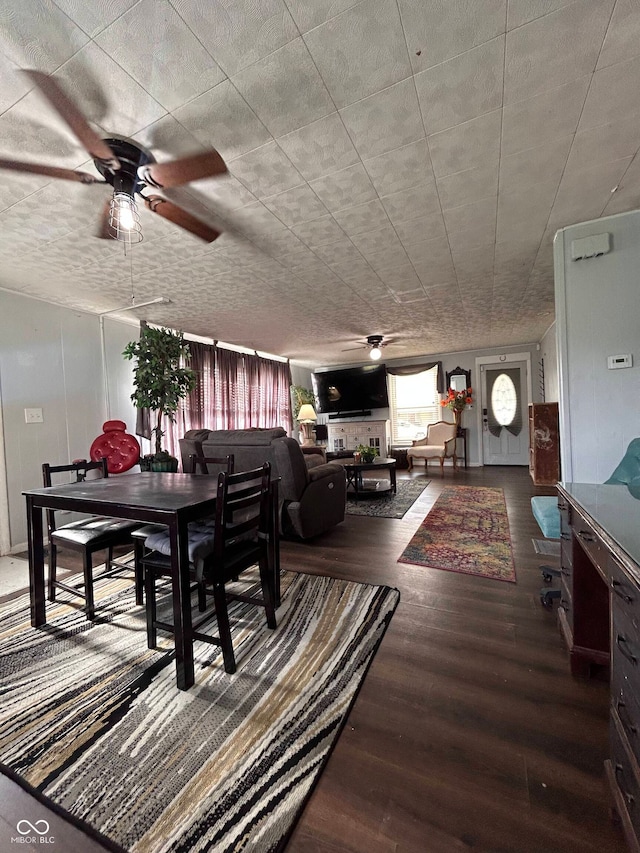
(177,172)
(90,140)
(49,171)
(350,349)
(181,217)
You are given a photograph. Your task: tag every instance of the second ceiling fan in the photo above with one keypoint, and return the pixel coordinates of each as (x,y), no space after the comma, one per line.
(129,168)
(373,343)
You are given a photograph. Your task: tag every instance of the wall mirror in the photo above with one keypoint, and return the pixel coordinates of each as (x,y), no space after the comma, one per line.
(459,379)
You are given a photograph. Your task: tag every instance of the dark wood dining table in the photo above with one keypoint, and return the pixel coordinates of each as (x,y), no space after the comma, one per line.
(150,497)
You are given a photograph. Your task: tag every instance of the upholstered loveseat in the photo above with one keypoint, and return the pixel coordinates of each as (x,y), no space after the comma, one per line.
(313,493)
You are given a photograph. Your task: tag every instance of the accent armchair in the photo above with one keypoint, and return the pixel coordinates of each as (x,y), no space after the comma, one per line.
(439,443)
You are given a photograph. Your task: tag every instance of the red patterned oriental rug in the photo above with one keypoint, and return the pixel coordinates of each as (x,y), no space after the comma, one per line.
(467,531)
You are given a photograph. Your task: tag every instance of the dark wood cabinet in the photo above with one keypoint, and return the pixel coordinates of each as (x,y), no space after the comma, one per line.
(544,444)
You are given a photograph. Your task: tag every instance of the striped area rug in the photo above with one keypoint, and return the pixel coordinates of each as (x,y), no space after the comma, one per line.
(93,719)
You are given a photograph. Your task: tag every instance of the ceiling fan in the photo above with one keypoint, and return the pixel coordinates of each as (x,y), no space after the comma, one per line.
(373,343)
(129,168)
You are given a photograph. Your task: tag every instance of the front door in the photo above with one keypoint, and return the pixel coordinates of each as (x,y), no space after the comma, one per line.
(505,434)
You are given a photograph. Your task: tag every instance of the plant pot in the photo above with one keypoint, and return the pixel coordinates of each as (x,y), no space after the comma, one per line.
(167,466)
(145,463)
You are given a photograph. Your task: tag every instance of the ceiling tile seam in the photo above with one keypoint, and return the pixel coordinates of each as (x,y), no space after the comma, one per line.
(75,24)
(500,35)
(105,27)
(604,38)
(622,177)
(249,64)
(424,128)
(435,182)
(564,168)
(323,23)
(338,113)
(544,15)
(493,283)
(592,75)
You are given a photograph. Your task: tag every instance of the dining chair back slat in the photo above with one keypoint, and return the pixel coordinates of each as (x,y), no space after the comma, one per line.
(86,536)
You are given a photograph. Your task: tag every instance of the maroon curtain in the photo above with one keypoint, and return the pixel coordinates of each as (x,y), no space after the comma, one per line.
(233,391)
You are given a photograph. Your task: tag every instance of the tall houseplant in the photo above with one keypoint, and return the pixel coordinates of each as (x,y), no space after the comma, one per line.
(160,381)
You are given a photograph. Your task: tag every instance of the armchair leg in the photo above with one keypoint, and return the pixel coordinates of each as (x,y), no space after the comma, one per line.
(442,466)
(409,463)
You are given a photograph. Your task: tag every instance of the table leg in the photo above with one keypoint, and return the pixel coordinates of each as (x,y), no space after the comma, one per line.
(392,478)
(275,543)
(36,564)
(181,594)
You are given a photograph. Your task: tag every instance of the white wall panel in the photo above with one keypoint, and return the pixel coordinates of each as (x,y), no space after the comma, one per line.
(51,358)
(597,311)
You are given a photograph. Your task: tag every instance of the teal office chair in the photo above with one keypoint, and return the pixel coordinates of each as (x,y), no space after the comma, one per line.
(628,471)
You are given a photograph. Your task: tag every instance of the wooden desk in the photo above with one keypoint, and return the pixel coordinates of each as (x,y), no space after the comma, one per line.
(599,616)
(170,499)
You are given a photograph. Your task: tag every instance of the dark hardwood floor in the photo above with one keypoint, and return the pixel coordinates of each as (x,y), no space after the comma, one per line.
(469,732)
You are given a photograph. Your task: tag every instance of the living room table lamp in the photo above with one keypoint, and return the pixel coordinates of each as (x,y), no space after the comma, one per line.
(306,418)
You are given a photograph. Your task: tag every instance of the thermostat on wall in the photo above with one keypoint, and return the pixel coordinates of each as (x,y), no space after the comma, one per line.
(616,361)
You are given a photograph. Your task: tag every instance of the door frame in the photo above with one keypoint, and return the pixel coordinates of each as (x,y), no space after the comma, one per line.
(486,360)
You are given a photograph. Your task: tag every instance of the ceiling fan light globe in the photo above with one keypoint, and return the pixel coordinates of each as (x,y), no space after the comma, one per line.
(375,354)
(124,221)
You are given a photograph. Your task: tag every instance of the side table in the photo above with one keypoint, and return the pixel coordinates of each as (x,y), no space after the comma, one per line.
(400,455)
(462,435)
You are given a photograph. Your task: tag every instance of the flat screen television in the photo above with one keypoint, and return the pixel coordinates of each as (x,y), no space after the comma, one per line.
(351,389)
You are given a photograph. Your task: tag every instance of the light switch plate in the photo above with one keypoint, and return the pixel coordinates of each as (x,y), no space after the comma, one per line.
(33,416)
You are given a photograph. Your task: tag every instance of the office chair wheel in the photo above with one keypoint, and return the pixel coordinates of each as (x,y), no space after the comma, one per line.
(546,577)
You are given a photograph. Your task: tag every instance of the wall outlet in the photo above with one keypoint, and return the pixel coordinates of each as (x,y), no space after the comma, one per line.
(33,416)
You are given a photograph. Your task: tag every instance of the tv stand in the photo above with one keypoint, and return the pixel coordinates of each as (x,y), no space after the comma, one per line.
(347,436)
(364,413)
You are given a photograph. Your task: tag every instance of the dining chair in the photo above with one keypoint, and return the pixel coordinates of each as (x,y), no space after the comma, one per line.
(140,536)
(86,536)
(240,536)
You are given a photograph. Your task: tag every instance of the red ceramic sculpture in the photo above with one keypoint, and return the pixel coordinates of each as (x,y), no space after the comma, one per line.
(121,449)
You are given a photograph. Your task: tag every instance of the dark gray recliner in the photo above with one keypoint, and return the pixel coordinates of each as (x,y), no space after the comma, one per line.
(313,496)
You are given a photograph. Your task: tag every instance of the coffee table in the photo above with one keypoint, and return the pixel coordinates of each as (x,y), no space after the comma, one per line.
(355,470)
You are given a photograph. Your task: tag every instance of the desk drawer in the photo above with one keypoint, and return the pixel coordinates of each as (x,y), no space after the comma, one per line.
(592,544)
(625,591)
(624,769)
(566,602)
(626,710)
(565,518)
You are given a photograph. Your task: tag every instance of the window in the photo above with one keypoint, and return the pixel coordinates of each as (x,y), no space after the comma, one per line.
(504,400)
(414,403)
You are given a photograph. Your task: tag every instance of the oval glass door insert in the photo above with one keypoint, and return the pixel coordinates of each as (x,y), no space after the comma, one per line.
(504,400)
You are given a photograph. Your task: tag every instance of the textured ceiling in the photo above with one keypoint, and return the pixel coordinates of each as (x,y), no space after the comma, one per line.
(395,166)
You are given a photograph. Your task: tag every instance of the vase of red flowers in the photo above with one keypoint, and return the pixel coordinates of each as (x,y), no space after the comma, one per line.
(458,401)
